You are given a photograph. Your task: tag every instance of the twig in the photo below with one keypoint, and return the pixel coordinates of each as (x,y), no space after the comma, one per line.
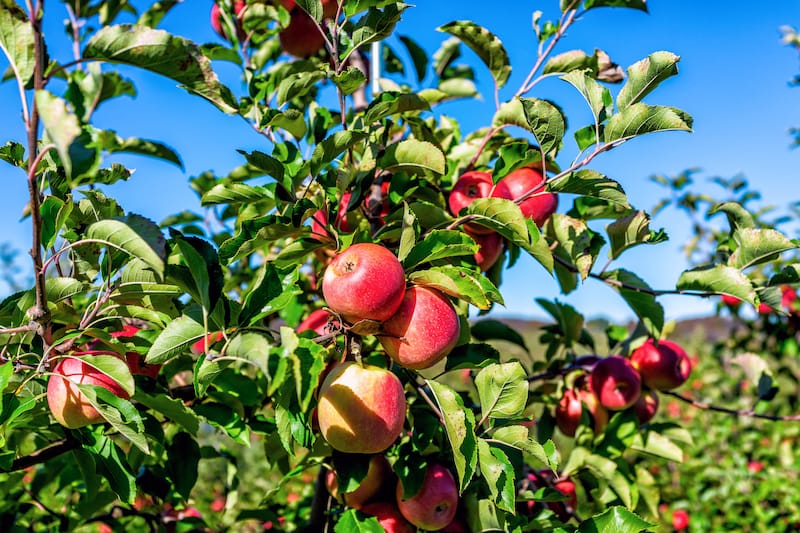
(45,454)
(737,412)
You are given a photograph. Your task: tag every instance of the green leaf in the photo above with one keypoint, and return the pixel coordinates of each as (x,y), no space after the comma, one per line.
(393,103)
(172,408)
(139,237)
(573,60)
(332,147)
(376,25)
(570,322)
(498,472)
(632,4)
(485,330)
(312,7)
(639,119)
(459,424)
(350,80)
(298,84)
(640,298)
(503,390)
(459,282)
(540,117)
(592,184)
(632,230)
(440,244)
(118,412)
(235,193)
(61,288)
(418,56)
(55,213)
(518,437)
(113,367)
(353,521)
(720,279)
(183,458)
(738,216)
(133,145)
(291,120)
(17,40)
(575,242)
(111,464)
(484,43)
(757,246)
(646,75)
(13,153)
(412,156)
(252,232)
(789,274)
(616,519)
(64,131)
(177,337)
(202,261)
(597,96)
(162,53)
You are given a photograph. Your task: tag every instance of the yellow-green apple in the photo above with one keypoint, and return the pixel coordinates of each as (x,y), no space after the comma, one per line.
(469,187)
(361,408)
(537,207)
(435,504)
(616,383)
(70,407)
(490,246)
(364,282)
(423,331)
(218,24)
(646,406)
(662,366)
(379,476)
(570,408)
(389,517)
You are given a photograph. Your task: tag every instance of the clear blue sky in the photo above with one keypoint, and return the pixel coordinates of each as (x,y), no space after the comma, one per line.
(733,80)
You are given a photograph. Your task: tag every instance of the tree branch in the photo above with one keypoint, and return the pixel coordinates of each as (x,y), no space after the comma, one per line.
(737,412)
(45,454)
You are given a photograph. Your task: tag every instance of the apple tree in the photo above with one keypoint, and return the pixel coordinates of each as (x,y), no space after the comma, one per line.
(311,349)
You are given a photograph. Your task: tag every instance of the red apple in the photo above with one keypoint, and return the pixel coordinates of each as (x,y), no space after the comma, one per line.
(423,331)
(764,309)
(567,488)
(135,360)
(755,466)
(570,408)
(680,519)
(662,366)
(69,405)
(490,246)
(302,37)
(218,24)
(616,383)
(538,207)
(789,298)
(200,346)
(379,475)
(469,187)
(320,219)
(646,406)
(316,321)
(389,517)
(435,504)
(731,301)
(366,281)
(361,408)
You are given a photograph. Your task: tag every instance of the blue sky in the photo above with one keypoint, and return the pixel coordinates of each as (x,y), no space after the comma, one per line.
(733,80)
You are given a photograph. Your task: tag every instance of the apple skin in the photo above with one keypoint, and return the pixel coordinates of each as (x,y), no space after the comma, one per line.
(379,475)
(662,366)
(361,409)
(67,403)
(570,408)
(364,282)
(469,187)
(316,321)
(389,517)
(490,246)
(616,383)
(423,331)
(217,23)
(646,406)
(320,219)
(538,207)
(789,299)
(200,345)
(731,301)
(680,520)
(567,488)
(436,503)
(302,38)
(135,360)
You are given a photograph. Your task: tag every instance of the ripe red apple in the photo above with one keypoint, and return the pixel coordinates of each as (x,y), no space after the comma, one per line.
(789,299)
(423,331)
(361,409)
(764,309)
(570,408)
(389,517)
(646,406)
(731,301)
(379,475)
(566,487)
(320,219)
(490,246)
(366,281)
(616,383)
(435,505)
(69,405)
(316,321)
(662,366)
(680,520)
(135,360)
(218,24)
(302,38)
(538,207)
(200,346)
(469,187)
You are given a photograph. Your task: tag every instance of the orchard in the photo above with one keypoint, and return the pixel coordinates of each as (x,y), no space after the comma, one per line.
(311,352)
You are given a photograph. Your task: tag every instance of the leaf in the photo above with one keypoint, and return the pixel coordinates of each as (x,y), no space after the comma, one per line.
(575,242)
(206,273)
(789,274)
(111,464)
(540,117)
(374,26)
(118,412)
(172,408)
(573,60)
(485,330)
(459,424)
(570,322)
(632,4)
(312,7)
(353,521)
(640,298)
(738,216)
(412,156)
(639,119)
(64,131)
(139,237)
(646,75)
(252,232)
(160,52)
(350,80)
(592,184)
(235,193)
(459,282)
(291,120)
(503,390)
(61,288)
(418,56)
(183,458)
(498,472)
(616,519)
(13,153)
(597,96)
(393,103)
(484,43)
(518,437)
(632,230)
(177,336)
(297,84)
(332,147)
(17,40)
(115,144)
(720,279)
(440,244)
(113,367)
(756,246)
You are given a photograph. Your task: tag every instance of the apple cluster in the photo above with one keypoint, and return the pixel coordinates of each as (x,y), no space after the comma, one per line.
(478,184)
(616,383)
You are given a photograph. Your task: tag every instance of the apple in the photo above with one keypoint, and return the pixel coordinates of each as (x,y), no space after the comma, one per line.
(662,366)
(469,187)
(570,408)
(302,37)
(435,504)
(135,360)
(567,488)
(755,466)
(361,408)
(763,309)
(379,475)
(316,321)
(538,207)
(200,346)
(423,331)
(789,299)
(320,219)
(616,383)
(218,24)
(731,301)
(490,246)
(66,401)
(680,520)
(364,282)
(389,517)
(646,406)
